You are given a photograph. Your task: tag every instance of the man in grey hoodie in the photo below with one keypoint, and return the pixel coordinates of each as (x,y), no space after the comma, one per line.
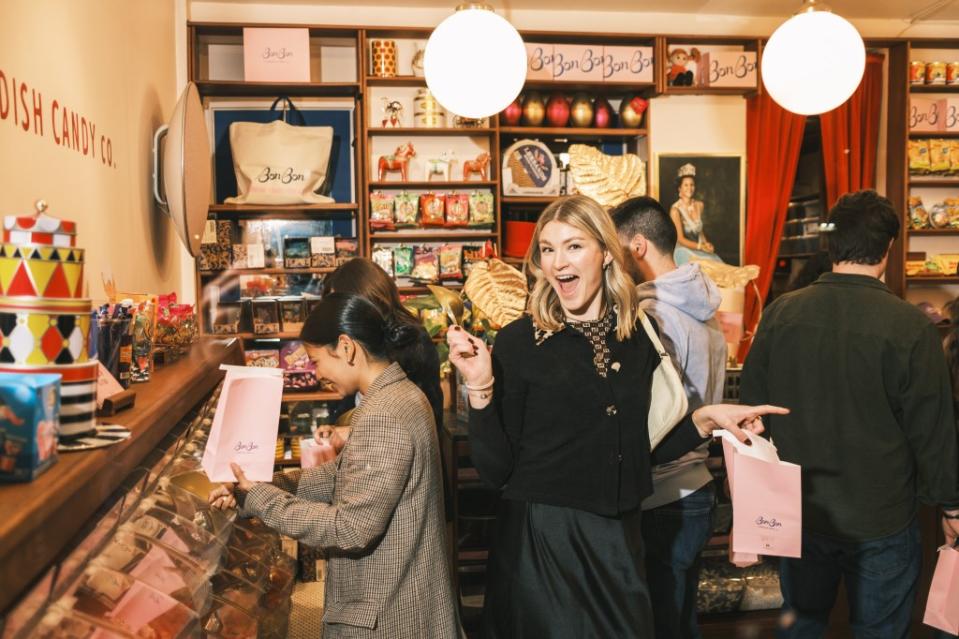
(677,517)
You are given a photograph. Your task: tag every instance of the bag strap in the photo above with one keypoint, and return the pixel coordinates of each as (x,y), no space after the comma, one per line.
(653,337)
(288,107)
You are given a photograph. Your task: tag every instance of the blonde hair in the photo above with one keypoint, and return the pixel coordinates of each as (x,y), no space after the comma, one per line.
(618,288)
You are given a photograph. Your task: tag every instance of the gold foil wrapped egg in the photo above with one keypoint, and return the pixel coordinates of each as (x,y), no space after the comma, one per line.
(534,109)
(581,111)
(631,111)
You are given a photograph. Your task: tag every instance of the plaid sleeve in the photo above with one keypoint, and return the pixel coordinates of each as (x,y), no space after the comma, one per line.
(373,473)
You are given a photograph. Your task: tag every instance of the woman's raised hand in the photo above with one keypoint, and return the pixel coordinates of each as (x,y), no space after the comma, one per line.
(470,356)
(735,418)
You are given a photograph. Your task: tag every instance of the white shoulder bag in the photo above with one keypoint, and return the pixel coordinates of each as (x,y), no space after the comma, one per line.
(667,403)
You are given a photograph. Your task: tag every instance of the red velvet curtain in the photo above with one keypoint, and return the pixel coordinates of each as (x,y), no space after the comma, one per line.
(850,135)
(773,139)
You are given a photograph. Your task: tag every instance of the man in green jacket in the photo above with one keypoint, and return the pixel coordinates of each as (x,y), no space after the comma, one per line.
(871,424)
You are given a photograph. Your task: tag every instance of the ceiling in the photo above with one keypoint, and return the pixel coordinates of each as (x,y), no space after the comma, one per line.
(885,9)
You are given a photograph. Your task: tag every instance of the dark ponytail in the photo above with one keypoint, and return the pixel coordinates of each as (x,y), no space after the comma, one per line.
(347,314)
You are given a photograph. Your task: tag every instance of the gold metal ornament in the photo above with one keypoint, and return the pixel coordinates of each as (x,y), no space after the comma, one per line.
(608,179)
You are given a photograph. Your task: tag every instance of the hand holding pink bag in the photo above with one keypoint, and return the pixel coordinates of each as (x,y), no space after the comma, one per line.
(942,606)
(767,500)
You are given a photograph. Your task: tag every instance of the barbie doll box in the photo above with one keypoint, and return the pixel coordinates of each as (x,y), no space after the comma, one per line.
(29,424)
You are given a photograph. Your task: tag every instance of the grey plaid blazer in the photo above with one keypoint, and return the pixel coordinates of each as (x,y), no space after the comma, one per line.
(378,512)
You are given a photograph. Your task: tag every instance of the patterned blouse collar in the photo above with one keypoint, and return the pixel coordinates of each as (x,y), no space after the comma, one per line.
(596,332)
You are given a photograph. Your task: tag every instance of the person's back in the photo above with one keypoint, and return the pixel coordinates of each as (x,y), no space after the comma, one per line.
(871,424)
(838,354)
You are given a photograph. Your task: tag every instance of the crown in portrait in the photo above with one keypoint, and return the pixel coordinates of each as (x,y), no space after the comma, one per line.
(687,170)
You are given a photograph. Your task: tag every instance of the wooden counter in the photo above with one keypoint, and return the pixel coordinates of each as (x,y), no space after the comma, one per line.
(40,519)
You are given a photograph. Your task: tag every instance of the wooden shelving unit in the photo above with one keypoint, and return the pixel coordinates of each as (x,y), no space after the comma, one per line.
(311,396)
(439,185)
(934,88)
(934,232)
(933,134)
(934,182)
(426,132)
(570,132)
(432,235)
(230,89)
(267,271)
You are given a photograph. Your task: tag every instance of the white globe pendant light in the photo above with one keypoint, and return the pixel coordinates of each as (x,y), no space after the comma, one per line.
(814,61)
(475,62)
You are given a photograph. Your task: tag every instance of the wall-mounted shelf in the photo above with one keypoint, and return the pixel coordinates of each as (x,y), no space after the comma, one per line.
(934,232)
(934,88)
(226,88)
(294,212)
(571,132)
(266,271)
(398,81)
(940,182)
(432,235)
(933,134)
(437,184)
(425,132)
(530,200)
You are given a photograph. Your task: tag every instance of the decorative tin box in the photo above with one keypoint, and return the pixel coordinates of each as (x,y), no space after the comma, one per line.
(29,425)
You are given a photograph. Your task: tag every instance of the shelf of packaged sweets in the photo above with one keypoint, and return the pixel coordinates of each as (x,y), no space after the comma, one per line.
(441,185)
(432,235)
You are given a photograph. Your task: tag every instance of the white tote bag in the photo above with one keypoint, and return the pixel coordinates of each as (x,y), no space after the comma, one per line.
(278,163)
(667,403)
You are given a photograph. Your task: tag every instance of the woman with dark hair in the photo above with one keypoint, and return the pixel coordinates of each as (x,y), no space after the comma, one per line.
(377,509)
(419,358)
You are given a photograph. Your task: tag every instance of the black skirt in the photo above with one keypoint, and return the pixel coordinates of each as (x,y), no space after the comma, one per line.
(557,572)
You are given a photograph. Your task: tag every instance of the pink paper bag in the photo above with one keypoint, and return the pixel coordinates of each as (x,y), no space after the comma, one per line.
(942,607)
(316,453)
(767,500)
(245,425)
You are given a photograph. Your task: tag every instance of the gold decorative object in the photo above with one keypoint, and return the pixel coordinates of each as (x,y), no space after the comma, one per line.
(581,111)
(498,290)
(534,109)
(727,275)
(451,302)
(608,179)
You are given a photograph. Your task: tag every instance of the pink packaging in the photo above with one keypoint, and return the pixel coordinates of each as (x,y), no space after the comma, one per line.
(942,606)
(316,453)
(276,55)
(767,500)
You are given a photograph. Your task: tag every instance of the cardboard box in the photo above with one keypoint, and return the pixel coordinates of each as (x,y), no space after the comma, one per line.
(736,69)
(276,55)
(29,425)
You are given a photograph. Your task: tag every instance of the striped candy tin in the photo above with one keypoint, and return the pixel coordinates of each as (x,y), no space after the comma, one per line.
(41,271)
(39,229)
(44,332)
(78,393)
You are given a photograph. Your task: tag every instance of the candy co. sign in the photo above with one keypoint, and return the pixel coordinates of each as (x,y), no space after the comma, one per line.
(589,63)
(25,107)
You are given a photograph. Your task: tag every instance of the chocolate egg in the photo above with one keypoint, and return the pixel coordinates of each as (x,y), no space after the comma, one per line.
(534,109)
(581,111)
(511,115)
(602,113)
(631,111)
(557,110)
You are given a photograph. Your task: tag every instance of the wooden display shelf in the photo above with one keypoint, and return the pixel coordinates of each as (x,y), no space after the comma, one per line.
(280,335)
(296,211)
(397,81)
(597,88)
(287,463)
(312,396)
(933,232)
(710,91)
(225,88)
(266,271)
(432,235)
(934,88)
(535,199)
(425,131)
(935,182)
(437,184)
(572,132)
(933,134)
(41,519)
(932,280)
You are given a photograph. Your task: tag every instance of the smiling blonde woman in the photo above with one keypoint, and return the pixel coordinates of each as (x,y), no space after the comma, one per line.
(558,423)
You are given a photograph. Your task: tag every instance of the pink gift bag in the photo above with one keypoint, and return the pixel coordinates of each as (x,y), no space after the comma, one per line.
(942,607)
(767,500)
(316,453)
(245,425)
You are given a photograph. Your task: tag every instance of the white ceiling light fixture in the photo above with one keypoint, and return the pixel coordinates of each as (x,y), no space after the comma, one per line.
(814,61)
(475,62)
